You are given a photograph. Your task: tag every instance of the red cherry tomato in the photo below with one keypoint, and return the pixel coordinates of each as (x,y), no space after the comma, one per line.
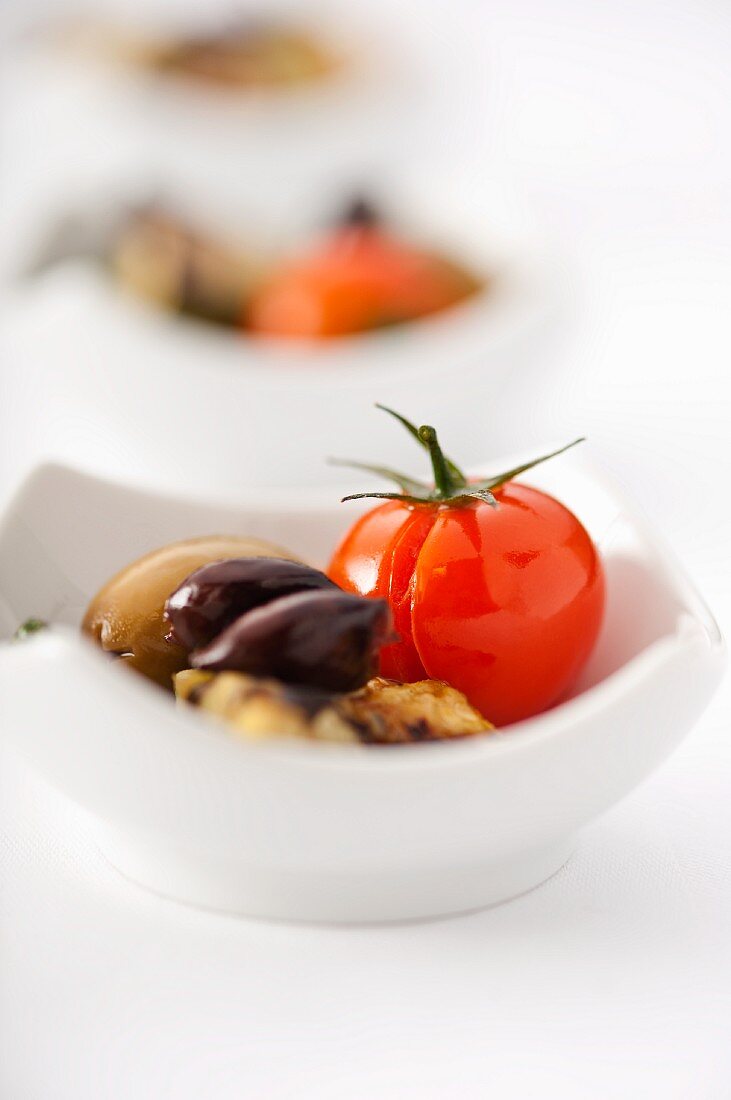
(362,278)
(504,603)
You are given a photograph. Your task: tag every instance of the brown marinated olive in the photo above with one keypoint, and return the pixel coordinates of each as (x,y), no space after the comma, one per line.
(211,598)
(329,640)
(125,616)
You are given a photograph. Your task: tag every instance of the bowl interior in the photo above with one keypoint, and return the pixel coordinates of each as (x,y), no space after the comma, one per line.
(68,532)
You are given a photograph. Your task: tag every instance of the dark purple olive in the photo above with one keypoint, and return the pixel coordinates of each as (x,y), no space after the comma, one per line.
(328,640)
(215,595)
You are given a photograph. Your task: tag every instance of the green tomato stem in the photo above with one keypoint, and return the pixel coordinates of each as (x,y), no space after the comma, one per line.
(454,471)
(500,479)
(443,480)
(450,484)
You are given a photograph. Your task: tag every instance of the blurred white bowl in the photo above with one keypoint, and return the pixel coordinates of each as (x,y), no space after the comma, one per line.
(321,832)
(115,386)
(95,111)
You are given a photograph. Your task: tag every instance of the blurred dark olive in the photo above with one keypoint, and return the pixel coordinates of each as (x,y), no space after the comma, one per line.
(327,639)
(212,597)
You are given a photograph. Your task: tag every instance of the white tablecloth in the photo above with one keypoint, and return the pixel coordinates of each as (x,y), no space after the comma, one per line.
(613,980)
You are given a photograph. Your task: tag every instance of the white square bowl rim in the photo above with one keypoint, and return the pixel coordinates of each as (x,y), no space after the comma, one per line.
(698,625)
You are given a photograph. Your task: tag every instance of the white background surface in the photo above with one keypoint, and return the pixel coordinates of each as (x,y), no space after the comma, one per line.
(614,979)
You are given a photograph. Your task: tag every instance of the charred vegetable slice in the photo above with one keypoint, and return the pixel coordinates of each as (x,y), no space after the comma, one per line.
(381,713)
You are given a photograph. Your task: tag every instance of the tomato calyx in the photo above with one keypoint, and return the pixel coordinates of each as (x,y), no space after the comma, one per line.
(360,213)
(450,485)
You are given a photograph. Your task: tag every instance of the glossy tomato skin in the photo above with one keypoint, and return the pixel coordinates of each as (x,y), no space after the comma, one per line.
(503,603)
(378,558)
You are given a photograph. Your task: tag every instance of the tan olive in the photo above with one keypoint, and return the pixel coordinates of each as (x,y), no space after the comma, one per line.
(125,616)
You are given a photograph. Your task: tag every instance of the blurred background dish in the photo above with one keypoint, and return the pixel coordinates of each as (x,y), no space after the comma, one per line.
(112,383)
(101,118)
(246,54)
(357,275)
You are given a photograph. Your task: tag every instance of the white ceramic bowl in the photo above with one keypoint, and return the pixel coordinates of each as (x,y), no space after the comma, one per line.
(321,832)
(113,385)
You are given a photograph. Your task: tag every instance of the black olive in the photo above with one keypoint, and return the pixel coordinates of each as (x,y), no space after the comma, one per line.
(215,595)
(329,640)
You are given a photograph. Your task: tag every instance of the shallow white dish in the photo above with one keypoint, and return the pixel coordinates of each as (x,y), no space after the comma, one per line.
(316,832)
(115,386)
